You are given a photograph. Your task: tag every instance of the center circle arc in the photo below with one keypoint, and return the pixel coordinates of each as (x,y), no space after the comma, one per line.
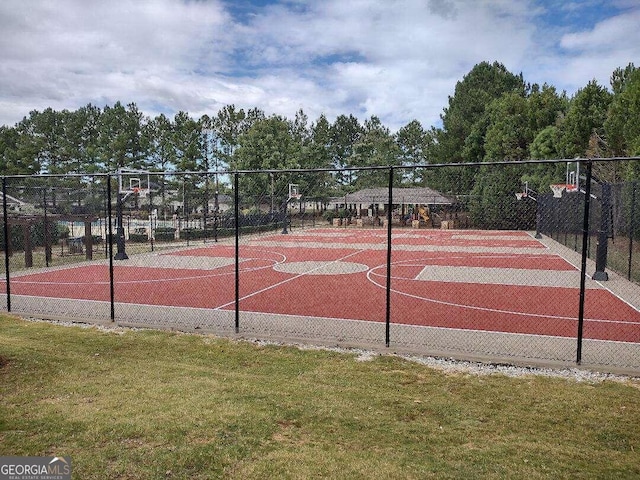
(320,268)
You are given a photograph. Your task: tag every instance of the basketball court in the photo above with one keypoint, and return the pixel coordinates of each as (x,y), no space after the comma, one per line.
(331,283)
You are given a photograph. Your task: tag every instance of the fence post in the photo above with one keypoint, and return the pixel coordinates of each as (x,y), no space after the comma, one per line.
(47,237)
(112,297)
(6,241)
(583,265)
(631,226)
(389,217)
(205,207)
(151,218)
(236,214)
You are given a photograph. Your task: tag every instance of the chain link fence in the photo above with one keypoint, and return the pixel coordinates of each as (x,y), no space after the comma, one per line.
(351,257)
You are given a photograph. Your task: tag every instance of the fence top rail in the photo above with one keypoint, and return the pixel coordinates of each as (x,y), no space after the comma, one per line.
(333,169)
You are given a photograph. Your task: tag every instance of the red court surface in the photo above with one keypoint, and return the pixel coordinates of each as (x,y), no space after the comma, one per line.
(472,280)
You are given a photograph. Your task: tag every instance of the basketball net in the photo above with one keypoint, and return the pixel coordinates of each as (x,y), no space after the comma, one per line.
(558,189)
(140,192)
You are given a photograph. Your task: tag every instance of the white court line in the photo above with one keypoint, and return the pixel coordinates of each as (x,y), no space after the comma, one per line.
(287,280)
(605,287)
(164,279)
(486,309)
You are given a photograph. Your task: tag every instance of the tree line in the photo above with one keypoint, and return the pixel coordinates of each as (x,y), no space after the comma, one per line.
(493,115)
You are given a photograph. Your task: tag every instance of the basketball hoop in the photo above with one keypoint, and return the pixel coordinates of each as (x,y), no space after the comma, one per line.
(132,181)
(571,187)
(138,192)
(558,189)
(294,193)
(521,195)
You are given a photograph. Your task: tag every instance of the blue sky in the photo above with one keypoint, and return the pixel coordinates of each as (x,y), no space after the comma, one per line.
(398,60)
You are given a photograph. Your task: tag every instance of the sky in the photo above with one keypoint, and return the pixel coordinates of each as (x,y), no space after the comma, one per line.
(399,60)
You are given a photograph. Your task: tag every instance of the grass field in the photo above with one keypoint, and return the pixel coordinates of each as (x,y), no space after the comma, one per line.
(147,404)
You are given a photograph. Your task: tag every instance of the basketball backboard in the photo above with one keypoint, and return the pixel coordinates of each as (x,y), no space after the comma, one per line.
(131,181)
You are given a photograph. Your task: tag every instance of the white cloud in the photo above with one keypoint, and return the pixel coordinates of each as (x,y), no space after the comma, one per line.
(595,53)
(391,60)
(93,51)
(397,60)
(610,34)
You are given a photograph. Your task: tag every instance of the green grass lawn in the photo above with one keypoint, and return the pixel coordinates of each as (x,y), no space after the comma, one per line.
(149,404)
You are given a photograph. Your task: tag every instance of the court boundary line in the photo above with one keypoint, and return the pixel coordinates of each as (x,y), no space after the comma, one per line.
(291,316)
(591,265)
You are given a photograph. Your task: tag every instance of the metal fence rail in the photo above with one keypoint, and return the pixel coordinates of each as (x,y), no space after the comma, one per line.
(415,270)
